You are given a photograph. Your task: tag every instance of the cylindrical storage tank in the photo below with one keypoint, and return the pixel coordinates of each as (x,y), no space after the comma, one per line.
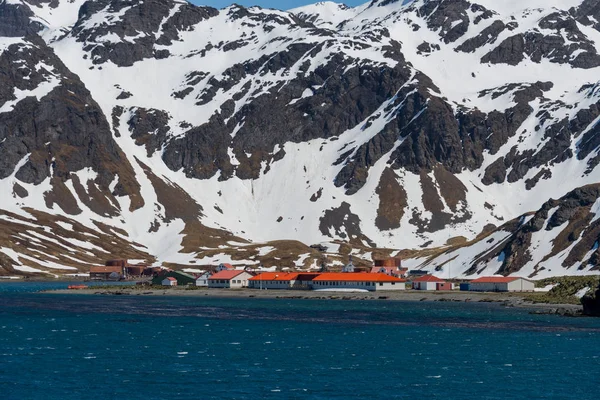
(116,263)
(135,270)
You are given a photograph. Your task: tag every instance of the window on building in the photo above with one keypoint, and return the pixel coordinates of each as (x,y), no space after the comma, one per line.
(380,283)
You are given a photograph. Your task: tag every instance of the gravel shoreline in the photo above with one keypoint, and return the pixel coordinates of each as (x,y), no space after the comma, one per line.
(504,299)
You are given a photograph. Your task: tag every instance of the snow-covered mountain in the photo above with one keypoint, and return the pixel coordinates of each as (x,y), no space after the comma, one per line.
(185,135)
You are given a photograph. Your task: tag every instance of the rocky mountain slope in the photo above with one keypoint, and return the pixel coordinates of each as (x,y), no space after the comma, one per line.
(187,135)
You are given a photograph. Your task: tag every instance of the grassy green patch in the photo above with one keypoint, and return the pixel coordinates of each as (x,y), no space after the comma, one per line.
(565,289)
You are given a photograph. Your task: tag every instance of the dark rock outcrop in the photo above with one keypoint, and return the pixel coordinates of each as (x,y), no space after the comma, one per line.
(567,45)
(139,26)
(591,303)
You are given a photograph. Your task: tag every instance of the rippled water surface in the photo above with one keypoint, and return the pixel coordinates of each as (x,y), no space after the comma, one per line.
(137,347)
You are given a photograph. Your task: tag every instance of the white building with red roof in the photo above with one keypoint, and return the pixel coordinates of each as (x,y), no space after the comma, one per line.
(224,266)
(501,284)
(229,279)
(430,282)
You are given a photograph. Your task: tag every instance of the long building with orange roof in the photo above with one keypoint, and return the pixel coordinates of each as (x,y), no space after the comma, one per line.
(357,281)
(282,280)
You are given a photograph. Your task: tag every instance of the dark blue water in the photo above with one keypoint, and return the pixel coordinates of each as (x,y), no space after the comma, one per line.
(136,347)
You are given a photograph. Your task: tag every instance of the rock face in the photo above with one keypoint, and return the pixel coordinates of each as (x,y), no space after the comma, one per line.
(567,228)
(591,304)
(392,125)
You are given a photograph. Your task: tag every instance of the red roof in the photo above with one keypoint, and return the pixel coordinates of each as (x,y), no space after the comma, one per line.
(428,278)
(496,279)
(171,279)
(357,277)
(226,274)
(228,266)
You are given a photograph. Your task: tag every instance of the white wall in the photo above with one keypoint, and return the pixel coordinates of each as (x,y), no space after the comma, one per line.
(344,285)
(391,286)
(240,281)
(370,286)
(425,285)
(520,285)
(270,284)
(203,279)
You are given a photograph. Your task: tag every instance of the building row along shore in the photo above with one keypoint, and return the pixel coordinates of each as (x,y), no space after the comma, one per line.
(384,275)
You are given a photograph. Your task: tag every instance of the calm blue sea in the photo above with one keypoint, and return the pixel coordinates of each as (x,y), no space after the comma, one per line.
(136,347)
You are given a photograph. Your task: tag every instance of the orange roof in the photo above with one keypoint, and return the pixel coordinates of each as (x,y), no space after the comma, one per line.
(496,279)
(170,278)
(428,278)
(226,274)
(228,266)
(275,276)
(357,277)
(106,269)
(307,276)
(264,276)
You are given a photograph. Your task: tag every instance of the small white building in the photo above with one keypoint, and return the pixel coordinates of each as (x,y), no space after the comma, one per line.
(202,280)
(169,281)
(235,279)
(430,282)
(501,284)
(360,281)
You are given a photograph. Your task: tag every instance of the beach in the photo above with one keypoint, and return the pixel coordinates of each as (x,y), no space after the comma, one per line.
(503,299)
